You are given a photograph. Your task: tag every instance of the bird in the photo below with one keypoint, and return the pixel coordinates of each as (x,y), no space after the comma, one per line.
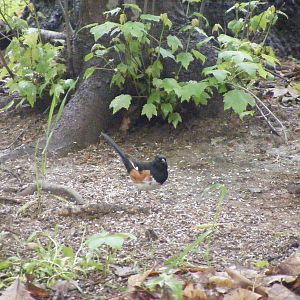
(144,175)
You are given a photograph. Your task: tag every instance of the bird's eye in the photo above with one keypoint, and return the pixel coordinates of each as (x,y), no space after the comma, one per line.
(163,160)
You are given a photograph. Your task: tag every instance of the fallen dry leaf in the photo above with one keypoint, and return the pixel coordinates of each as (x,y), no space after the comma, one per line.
(138,294)
(279,91)
(279,292)
(36,291)
(17,291)
(291,266)
(137,280)
(62,287)
(278,279)
(191,292)
(123,271)
(222,282)
(242,294)
(243,282)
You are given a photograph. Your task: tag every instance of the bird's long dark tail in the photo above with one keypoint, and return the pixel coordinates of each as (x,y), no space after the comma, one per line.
(128,164)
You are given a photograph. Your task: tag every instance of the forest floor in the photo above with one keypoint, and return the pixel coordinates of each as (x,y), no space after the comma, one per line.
(259,219)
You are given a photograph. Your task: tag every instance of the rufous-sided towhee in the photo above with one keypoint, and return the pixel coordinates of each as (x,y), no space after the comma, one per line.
(144,175)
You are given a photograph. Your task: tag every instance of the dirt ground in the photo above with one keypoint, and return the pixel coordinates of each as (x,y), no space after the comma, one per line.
(260,219)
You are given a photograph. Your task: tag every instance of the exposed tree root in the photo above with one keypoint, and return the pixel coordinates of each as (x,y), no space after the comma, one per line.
(101,209)
(8,199)
(56,189)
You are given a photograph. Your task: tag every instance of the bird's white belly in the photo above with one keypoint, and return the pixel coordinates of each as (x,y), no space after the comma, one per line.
(147,185)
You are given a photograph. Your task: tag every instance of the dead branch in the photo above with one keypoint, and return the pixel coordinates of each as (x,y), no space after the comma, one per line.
(53,188)
(7,199)
(100,209)
(264,115)
(5,65)
(49,35)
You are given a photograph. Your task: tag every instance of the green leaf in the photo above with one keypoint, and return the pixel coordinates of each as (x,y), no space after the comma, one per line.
(238,100)
(236,26)
(148,17)
(31,37)
(199,55)
(229,40)
(166,108)
(135,29)
(164,52)
(88,72)
(68,252)
(201,98)
(249,67)
(185,58)
(118,79)
(154,97)
(166,21)
(122,68)
(235,56)
(297,87)
(170,84)
(5,264)
(220,75)
(155,69)
(101,52)
(271,59)
(56,90)
(262,264)
(115,241)
(174,118)
(204,41)
(263,73)
(157,82)
(100,30)
(174,42)
(119,102)
(192,89)
(28,90)
(88,56)
(175,285)
(216,28)
(169,280)
(149,110)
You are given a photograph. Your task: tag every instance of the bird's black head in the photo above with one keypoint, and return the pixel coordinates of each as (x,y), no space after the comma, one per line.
(161,160)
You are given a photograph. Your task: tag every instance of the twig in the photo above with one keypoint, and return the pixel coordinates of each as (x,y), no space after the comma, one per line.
(9,199)
(2,58)
(244,282)
(4,169)
(69,192)
(262,113)
(101,209)
(14,141)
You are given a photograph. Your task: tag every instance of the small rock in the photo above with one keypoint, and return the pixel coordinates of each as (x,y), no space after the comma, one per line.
(255,190)
(151,235)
